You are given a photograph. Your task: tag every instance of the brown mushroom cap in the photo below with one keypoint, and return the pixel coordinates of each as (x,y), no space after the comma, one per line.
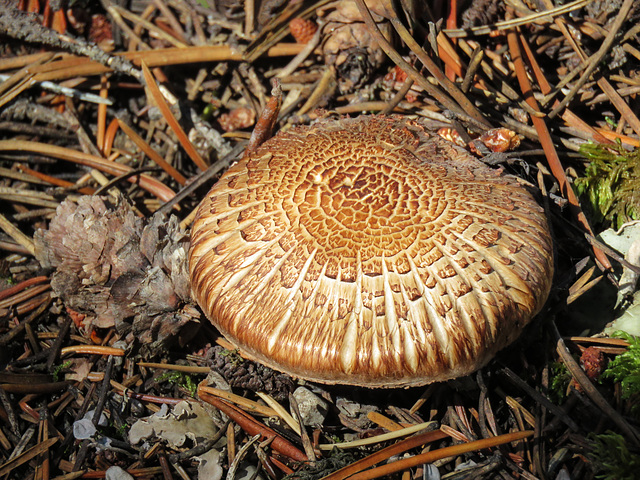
(371,252)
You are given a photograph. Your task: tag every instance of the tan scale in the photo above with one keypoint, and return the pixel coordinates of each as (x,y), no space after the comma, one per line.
(369,251)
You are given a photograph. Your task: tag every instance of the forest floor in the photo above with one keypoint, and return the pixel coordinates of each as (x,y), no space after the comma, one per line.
(114,123)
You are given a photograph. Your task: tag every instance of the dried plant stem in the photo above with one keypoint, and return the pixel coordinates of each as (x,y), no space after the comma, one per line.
(176,368)
(252,427)
(171,18)
(547,143)
(151,153)
(568,116)
(430,457)
(235,464)
(278,28)
(595,60)
(15,331)
(393,54)
(20,61)
(24,295)
(295,62)
(592,392)
(171,119)
(533,18)
(382,455)
(281,412)
(620,104)
(379,438)
(447,84)
(150,184)
(53,180)
(245,403)
(27,456)
(618,342)
(72,66)
(540,399)
(137,20)
(15,233)
(302,431)
(102,115)
(202,178)
(397,98)
(22,286)
(326,82)
(35,388)
(92,350)
(383,421)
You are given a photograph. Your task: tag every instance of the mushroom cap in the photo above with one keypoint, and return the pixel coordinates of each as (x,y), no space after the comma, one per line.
(371,252)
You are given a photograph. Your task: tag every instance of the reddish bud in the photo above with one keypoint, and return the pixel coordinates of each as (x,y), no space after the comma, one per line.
(593,362)
(302,30)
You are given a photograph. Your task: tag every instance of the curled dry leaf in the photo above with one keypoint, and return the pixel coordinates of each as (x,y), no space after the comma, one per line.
(452,135)
(79,369)
(237,119)
(500,140)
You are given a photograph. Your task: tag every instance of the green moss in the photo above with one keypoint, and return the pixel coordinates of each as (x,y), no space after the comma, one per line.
(181,379)
(59,369)
(625,369)
(611,457)
(611,183)
(560,378)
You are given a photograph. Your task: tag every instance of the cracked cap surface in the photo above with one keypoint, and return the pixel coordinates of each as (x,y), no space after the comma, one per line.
(369,251)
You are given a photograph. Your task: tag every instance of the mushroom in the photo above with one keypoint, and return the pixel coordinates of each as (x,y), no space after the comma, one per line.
(371,252)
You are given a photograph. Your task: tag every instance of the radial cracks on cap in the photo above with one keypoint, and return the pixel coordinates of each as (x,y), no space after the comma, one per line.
(310,276)
(293,293)
(350,343)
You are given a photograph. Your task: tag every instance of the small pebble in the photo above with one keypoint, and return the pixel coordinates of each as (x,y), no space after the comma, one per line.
(313,409)
(117,473)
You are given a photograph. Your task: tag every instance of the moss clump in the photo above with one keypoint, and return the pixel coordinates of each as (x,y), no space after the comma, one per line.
(625,369)
(611,457)
(181,379)
(611,183)
(560,378)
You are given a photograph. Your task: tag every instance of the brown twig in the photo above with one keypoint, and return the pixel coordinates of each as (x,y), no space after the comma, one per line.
(267,121)
(447,84)
(547,143)
(252,427)
(594,61)
(92,350)
(71,66)
(591,391)
(393,54)
(157,96)
(151,153)
(386,453)
(540,399)
(150,184)
(33,452)
(8,292)
(429,457)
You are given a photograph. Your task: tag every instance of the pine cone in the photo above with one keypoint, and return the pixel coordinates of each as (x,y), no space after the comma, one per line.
(117,271)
